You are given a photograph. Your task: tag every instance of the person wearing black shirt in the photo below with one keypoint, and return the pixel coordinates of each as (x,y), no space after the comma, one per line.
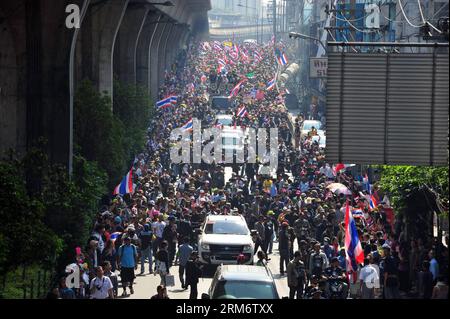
(193,273)
(283,246)
(336,273)
(390,270)
(170,235)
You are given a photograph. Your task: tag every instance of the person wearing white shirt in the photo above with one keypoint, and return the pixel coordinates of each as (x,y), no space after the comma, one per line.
(369,279)
(101,286)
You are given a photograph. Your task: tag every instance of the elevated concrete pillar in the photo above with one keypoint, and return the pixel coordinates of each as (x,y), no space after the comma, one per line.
(12,79)
(51,65)
(162,53)
(154,59)
(125,51)
(173,46)
(149,32)
(106,20)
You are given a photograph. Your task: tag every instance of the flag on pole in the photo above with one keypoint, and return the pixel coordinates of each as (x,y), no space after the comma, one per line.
(339,167)
(353,250)
(358,213)
(126,185)
(173,99)
(281,58)
(257,56)
(271,84)
(115,235)
(164,103)
(188,126)
(236,89)
(372,202)
(242,112)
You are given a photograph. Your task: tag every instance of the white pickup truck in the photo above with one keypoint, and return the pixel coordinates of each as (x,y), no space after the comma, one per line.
(223,238)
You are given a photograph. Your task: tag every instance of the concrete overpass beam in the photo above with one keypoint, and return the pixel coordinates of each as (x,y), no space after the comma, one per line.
(148,33)
(154,59)
(106,22)
(125,50)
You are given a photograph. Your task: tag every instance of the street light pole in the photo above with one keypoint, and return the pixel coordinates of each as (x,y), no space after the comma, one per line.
(297,35)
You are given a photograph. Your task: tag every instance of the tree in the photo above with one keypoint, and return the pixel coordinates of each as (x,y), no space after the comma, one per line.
(416,192)
(24,237)
(97,133)
(133,107)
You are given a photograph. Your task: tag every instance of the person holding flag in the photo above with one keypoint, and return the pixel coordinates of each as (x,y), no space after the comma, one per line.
(126,185)
(353,250)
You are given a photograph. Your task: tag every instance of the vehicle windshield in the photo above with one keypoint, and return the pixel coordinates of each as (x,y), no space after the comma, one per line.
(226,228)
(309,125)
(244,290)
(225,121)
(229,141)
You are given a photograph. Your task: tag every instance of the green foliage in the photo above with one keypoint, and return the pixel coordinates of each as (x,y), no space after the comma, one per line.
(112,139)
(33,278)
(25,238)
(97,133)
(43,227)
(402,181)
(72,204)
(132,106)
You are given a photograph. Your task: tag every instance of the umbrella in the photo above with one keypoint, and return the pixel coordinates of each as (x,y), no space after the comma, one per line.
(339,188)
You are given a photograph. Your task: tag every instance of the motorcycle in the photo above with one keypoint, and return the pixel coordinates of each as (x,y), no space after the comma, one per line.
(335,288)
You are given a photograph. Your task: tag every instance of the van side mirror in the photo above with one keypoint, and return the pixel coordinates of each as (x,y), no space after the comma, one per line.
(205,296)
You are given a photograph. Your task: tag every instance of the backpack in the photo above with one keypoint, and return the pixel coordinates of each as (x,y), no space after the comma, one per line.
(122,247)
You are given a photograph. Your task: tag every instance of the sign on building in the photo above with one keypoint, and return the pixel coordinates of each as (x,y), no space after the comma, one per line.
(318,67)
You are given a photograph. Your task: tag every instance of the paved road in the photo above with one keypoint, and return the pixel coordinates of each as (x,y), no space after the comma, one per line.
(145,286)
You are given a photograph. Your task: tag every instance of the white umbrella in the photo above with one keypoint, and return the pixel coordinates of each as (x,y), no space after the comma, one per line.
(339,188)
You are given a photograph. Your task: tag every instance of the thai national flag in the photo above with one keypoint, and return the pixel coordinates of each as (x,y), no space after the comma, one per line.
(217,46)
(234,55)
(358,213)
(257,56)
(236,49)
(271,84)
(173,99)
(242,112)
(339,167)
(222,64)
(372,202)
(126,185)
(115,235)
(353,250)
(236,89)
(188,126)
(164,103)
(282,59)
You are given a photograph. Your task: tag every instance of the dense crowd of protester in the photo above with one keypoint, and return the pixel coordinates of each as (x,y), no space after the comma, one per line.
(154,228)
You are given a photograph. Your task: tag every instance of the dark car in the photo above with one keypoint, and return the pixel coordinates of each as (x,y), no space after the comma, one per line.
(242,282)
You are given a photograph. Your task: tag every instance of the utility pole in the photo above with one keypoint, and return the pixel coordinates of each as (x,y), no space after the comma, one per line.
(274,9)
